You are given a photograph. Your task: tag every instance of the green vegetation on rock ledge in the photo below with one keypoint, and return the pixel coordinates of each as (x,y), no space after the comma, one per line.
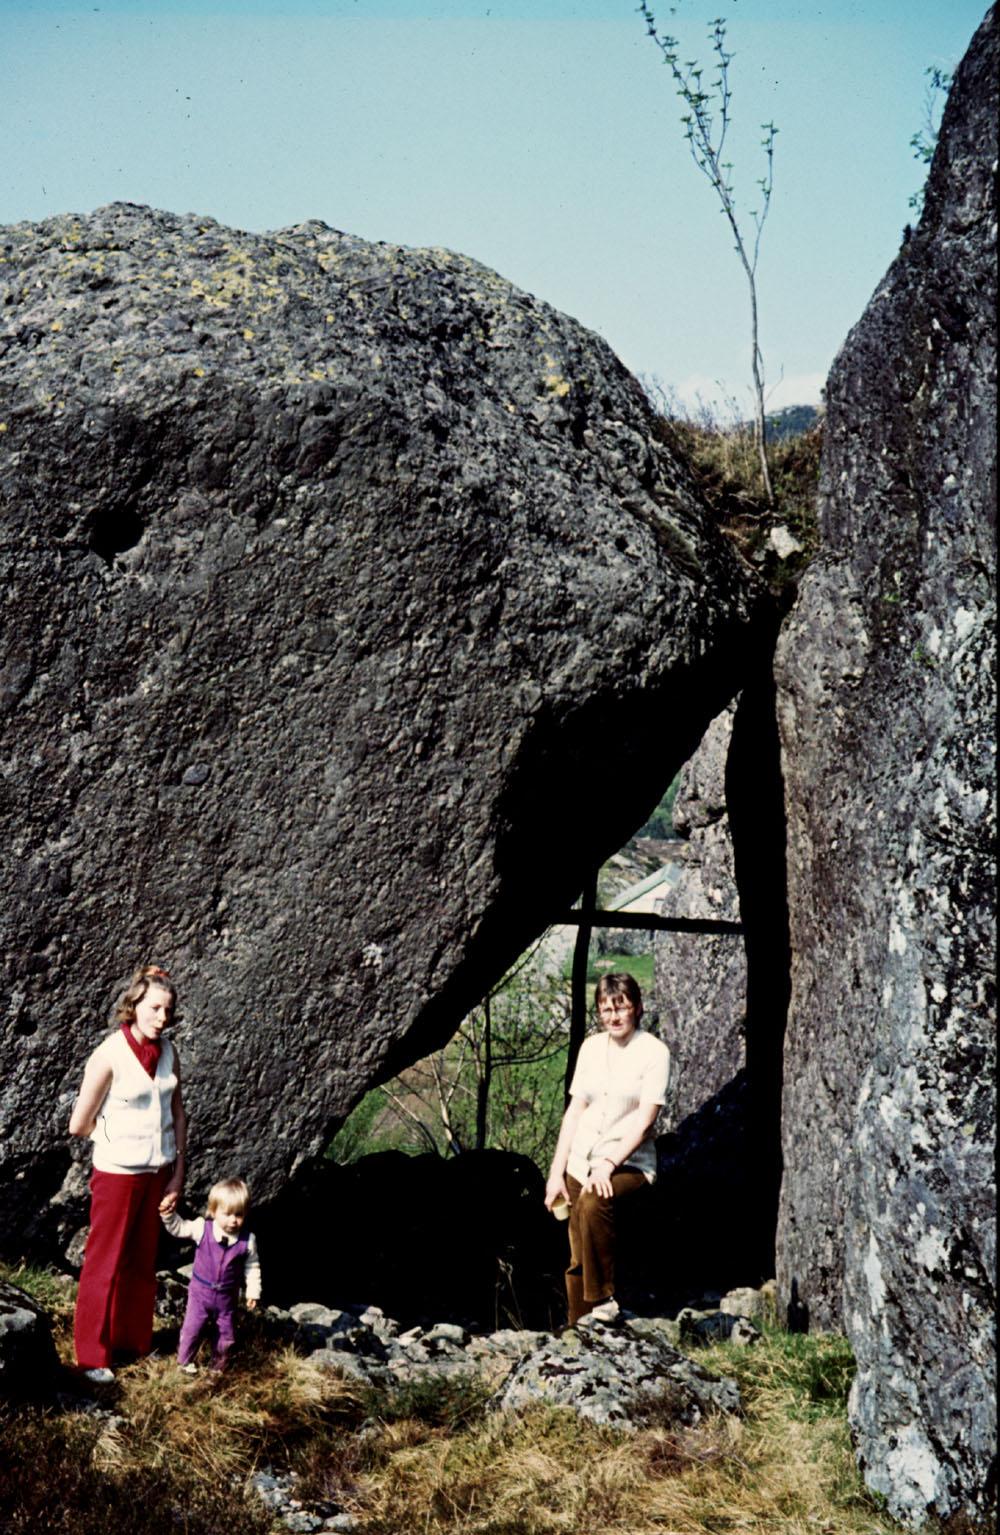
(724,461)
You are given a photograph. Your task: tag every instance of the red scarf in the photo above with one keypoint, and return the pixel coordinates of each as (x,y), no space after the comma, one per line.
(146,1051)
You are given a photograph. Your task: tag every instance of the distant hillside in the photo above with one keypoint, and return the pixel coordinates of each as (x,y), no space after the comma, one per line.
(791,420)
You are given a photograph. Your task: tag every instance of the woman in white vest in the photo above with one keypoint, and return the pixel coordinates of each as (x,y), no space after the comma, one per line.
(130,1106)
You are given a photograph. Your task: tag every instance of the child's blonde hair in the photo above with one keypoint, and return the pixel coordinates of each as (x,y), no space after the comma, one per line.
(231,1194)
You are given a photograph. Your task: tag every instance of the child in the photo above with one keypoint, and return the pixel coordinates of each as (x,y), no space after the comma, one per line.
(223,1259)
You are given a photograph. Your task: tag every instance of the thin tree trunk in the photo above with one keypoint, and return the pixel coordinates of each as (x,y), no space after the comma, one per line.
(578,1011)
(485,1077)
(444,1095)
(760,423)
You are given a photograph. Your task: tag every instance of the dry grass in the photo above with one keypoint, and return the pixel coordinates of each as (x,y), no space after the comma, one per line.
(73,1474)
(784,1468)
(548,1474)
(263,1412)
(177,1452)
(724,460)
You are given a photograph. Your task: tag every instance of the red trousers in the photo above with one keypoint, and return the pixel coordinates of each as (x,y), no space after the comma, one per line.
(117,1293)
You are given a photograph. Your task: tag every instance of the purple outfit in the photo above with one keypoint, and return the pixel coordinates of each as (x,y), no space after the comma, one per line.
(219,1268)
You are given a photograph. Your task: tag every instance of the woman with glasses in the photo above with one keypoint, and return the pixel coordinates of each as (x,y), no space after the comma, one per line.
(605,1152)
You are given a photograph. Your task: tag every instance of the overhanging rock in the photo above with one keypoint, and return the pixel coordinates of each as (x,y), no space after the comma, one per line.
(352,610)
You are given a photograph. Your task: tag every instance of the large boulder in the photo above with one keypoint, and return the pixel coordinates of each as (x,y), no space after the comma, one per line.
(347,589)
(614,1374)
(886,674)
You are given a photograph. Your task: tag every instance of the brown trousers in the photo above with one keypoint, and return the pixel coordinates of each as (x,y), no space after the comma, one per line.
(590,1277)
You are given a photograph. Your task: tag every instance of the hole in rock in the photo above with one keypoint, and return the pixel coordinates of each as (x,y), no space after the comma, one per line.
(469,1129)
(114,531)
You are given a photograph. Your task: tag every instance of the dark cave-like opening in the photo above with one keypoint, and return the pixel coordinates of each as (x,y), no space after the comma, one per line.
(710,1222)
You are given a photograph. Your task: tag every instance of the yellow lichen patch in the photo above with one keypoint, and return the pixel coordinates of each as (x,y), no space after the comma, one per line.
(557,385)
(3,426)
(199,372)
(318,375)
(328,318)
(248,334)
(214,300)
(56,325)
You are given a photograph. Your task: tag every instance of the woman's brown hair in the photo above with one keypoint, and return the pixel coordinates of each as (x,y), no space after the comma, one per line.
(145,977)
(620,984)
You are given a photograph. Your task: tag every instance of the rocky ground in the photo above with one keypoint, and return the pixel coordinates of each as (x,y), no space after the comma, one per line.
(602,1370)
(607,1371)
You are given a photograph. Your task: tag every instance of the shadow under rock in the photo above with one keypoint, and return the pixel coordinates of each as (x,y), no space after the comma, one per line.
(703,1228)
(426,1238)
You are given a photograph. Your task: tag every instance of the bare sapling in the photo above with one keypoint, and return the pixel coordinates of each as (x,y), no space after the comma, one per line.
(706,124)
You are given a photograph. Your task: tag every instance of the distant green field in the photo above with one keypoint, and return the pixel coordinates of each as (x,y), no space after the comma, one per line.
(638,965)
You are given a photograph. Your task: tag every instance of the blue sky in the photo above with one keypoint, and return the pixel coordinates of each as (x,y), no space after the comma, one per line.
(542,139)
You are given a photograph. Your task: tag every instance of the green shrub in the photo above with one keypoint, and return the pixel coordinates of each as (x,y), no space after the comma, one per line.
(451,1402)
(813,1370)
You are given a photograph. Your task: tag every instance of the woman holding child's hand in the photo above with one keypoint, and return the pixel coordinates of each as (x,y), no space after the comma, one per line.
(131,1108)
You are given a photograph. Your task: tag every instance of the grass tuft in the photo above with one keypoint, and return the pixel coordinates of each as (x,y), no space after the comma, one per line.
(723,458)
(450,1402)
(69,1474)
(54,1292)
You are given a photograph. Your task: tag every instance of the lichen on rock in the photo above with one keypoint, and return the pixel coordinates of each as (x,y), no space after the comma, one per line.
(326,568)
(886,673)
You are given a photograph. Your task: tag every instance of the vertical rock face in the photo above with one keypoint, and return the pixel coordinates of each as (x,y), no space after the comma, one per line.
(701,979)
(328,572)
(722,1002)
(886,692)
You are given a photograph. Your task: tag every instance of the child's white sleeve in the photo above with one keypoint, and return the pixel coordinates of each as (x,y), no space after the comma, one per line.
(251,1273)
(179,1227)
